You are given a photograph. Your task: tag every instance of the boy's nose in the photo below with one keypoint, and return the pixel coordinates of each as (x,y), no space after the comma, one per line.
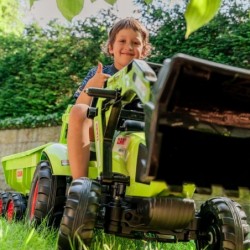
(130,45)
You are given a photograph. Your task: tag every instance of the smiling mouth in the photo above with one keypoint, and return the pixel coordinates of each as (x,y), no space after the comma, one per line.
(127,54)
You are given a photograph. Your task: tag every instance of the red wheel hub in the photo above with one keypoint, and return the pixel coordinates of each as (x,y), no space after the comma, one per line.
(33,203)
(10,210)
(1,206)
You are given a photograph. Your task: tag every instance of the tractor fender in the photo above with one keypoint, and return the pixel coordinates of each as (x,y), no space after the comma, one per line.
(57,154)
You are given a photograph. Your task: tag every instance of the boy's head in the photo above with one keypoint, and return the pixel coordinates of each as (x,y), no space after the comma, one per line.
(133,24)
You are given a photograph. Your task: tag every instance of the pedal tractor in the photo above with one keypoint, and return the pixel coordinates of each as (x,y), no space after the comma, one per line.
(162,133)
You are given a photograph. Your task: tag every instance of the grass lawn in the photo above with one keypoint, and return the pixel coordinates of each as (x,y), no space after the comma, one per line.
(22,236)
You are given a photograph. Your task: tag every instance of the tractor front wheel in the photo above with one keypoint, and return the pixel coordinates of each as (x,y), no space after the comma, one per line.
(223,225)
(80,214)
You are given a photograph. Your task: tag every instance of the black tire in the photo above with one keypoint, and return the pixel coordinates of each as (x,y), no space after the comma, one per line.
(3,201)
(15,208)
(47,196)
(80,214)
(223,226)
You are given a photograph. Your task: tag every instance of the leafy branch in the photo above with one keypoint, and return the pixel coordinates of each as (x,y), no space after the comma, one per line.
(197,14)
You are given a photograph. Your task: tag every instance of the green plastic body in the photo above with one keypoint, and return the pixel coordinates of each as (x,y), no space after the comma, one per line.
(134,80)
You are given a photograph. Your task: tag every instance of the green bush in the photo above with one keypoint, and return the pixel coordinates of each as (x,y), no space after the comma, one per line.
(32,121)
(40,71)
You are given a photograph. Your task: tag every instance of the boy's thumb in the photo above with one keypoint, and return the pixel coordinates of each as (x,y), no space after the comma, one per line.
(99,67)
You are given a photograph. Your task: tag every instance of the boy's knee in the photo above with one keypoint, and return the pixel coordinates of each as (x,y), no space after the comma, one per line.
(79,111)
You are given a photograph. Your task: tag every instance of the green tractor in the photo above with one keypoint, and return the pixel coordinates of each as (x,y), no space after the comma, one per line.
(162,133)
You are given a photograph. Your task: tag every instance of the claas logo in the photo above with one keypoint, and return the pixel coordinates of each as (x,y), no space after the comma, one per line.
(121,140)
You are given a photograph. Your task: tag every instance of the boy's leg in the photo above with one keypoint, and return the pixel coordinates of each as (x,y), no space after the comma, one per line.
(78,140)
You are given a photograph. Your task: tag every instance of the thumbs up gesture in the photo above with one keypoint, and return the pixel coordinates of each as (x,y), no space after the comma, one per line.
(97,81)
(99,78)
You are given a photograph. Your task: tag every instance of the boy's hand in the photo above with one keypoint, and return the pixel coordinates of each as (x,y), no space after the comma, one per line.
(99,78)
(97,81)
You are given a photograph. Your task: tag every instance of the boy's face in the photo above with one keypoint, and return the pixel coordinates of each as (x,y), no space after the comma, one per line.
(128,45)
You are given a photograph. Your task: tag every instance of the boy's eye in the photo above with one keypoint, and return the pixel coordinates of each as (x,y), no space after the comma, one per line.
(134,42)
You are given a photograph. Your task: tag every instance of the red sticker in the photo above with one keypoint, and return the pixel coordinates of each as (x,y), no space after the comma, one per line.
(19,173)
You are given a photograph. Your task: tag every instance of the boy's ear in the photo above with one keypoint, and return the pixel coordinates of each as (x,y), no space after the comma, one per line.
(110,49)
(143,54)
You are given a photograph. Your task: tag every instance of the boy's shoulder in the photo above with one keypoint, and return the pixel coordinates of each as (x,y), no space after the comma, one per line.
(107,69)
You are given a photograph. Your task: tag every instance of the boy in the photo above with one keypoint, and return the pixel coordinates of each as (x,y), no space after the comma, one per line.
(128,39)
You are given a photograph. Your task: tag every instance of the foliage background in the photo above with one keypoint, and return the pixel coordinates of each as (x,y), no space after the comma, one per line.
(41,68)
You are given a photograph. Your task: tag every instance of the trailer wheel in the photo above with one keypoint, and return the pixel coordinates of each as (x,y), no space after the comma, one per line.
(223,225)
(47,196)
(15,206)
(3,201)
(80,214)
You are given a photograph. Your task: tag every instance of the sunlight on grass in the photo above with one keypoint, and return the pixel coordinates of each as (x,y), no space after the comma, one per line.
(30,235)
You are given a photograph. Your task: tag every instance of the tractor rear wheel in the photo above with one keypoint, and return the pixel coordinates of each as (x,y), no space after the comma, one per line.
(223,225)
(47,196)
(80,214)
